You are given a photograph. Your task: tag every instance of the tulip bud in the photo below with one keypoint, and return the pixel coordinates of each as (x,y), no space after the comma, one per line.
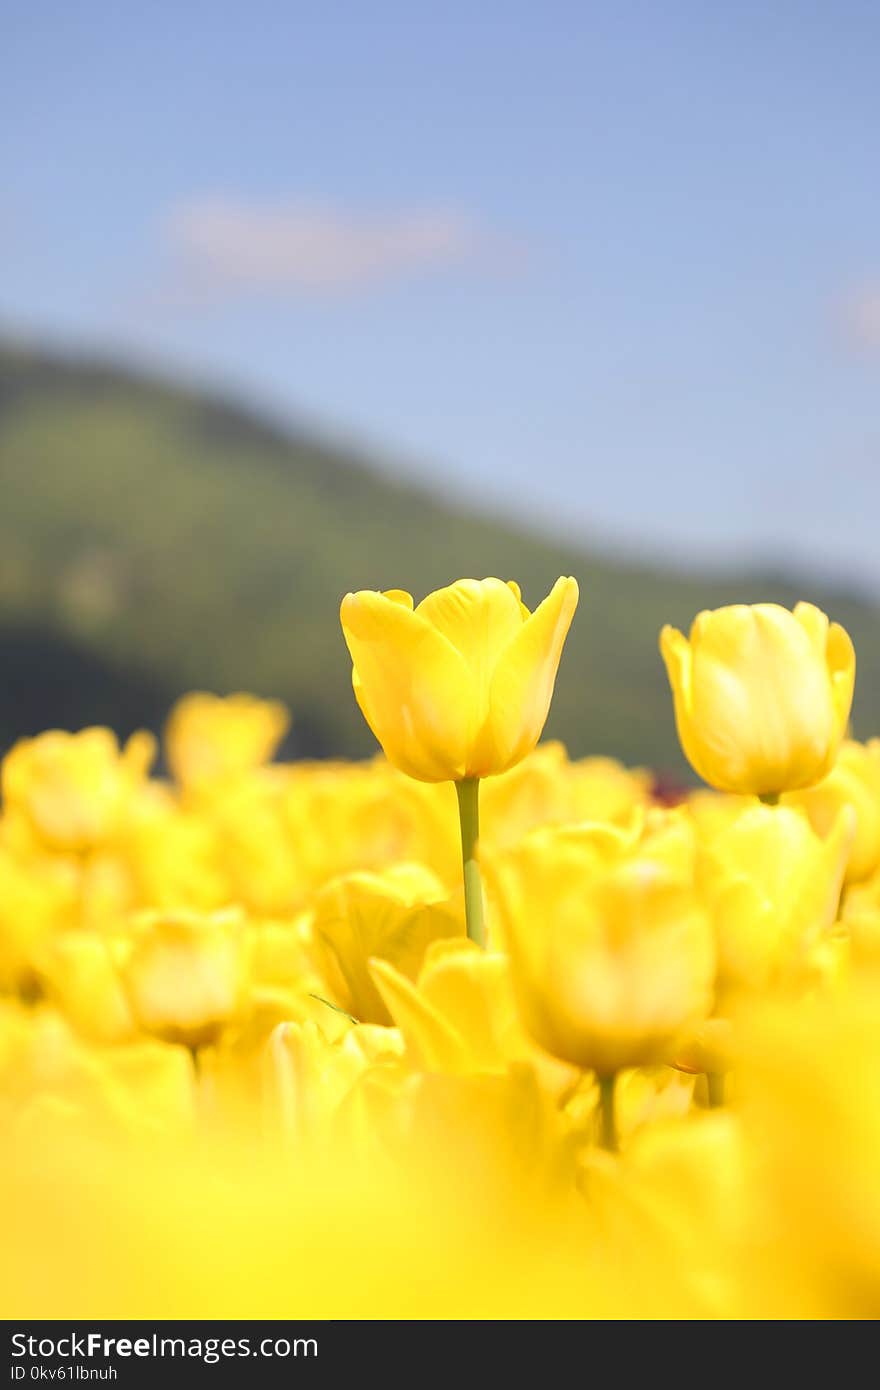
(762,696)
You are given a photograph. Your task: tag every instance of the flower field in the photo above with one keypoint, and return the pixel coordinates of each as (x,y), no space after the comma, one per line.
(468,1030)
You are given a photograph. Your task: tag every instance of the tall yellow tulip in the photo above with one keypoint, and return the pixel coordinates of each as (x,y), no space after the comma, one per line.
(762,695)
(459,687)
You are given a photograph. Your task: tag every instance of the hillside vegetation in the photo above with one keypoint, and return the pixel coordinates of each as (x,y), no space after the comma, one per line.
(154,539)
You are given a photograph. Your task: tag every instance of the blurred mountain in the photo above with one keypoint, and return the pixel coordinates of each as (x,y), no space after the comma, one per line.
(154,539)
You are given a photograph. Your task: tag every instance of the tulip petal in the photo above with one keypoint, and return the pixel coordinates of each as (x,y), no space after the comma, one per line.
(431,1041)
(400,596)
(522,683)
(517,593)
(678,659)
(841,657)
(479,618)
(472,989)
(412,685)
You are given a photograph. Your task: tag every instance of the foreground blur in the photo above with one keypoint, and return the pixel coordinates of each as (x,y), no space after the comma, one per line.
(251,1064)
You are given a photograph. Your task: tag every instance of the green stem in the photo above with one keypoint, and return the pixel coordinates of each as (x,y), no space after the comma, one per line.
(769,798)
(608,1120)
(715,1089)
(469,815)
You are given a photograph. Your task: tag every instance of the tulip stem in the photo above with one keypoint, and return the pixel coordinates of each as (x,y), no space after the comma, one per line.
(469,816)
(607,1117)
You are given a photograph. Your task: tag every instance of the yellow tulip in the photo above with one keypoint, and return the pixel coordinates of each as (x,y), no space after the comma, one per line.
(50,1080)
(611,952)
(460,1017)
(73,791)
(460,686)
(546,788)
(186,973)
(32,910)
(853,781)
(773,887)
(393,915)
(762,695)
(211,738)
(81,977)
(307,1075)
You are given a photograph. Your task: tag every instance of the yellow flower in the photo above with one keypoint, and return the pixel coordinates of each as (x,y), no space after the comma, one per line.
(860,917)
(461,685)
(81,977)
(762,696)
(461,1017)
(211,738)
(610,949)
(308,1075)
(185,973)
(810,1107)
(49,1078)
(773,887)
(73,791)
(32,908)
(853,781)
(547,789)
(393,915)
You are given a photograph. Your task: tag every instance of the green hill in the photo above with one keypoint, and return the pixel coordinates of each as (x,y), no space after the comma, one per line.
(154,539)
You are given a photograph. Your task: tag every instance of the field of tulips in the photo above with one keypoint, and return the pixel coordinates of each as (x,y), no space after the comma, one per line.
(469,1030)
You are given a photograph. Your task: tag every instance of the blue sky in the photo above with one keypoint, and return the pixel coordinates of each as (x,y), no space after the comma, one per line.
(613,267)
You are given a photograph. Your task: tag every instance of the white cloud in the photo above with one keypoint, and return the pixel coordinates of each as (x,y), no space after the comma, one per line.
(227,245)
(861,316)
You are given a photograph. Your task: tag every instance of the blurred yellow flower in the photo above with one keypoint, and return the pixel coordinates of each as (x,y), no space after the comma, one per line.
(310,1075)
(210,739)
(773,887)
(32,909)
(81,977)
(810,1103)
(762,695)
(611,953)
(460,1015)
(860,919)
(185,973)
(459,686)
(853,781)
(73,791)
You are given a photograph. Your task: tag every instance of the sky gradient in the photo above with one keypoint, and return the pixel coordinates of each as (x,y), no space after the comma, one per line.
(610,267)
